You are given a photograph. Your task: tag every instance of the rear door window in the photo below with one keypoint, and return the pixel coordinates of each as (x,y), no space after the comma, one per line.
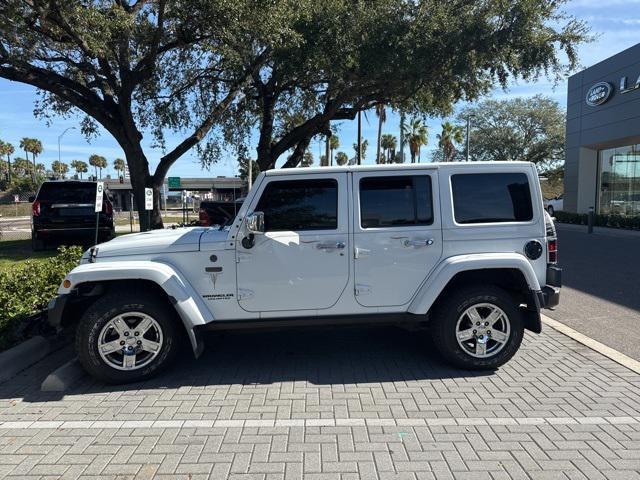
(395,201)
(491,198)
(71,193)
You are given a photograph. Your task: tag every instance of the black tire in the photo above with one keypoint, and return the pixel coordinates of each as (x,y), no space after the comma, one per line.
(37,244)
(452,308)
(116,303)
(550,210)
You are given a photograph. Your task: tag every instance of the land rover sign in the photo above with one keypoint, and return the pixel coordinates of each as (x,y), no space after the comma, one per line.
(599,93)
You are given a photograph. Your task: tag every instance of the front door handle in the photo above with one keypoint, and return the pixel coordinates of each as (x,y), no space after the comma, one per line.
(418,243)
(330,246)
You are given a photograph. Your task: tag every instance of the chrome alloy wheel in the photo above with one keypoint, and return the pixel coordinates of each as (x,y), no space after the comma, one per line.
(483,330)
(130,341)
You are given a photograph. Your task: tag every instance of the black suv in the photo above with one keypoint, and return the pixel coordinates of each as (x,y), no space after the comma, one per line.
(64,210)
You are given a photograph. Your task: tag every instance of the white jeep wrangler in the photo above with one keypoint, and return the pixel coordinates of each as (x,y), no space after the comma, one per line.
(465,248)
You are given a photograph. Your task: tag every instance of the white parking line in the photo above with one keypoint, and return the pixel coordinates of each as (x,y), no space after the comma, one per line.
(602,349)
(329,422)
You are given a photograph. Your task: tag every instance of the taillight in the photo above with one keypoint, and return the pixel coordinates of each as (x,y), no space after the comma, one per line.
(552,250)
(35,208)
(108,208)
(203,216)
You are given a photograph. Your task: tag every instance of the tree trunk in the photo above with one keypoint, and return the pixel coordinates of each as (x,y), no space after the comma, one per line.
(9,163)
(141,179)
(296,157)
(379,156)
(327,151)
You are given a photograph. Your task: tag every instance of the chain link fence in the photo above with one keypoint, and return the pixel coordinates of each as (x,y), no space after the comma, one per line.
(15,217)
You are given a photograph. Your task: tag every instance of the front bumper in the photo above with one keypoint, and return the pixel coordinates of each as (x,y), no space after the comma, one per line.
(55,308)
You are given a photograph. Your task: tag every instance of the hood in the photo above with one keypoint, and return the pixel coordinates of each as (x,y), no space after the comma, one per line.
(153,242)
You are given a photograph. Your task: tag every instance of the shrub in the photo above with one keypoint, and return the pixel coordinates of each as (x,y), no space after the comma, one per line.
(612,221)
(26,288)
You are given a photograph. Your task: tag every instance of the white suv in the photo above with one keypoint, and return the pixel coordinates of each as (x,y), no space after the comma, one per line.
(466,249)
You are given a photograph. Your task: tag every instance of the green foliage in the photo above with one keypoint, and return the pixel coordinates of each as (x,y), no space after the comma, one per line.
(243,169)
(79,166)
(25,185)
(27,288)
(60,169)
(447,140)
(527,129)
(417,136)
(611,221)
(342,158)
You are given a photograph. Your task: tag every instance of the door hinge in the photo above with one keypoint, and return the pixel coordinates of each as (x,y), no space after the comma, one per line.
(244,293)
(242,257)
(362,289)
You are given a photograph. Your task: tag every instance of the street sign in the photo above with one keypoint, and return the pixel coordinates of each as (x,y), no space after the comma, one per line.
(16,198)
(174,182)
(148,199)
(99,195)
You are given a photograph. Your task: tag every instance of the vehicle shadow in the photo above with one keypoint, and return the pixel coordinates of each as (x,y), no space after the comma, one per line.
(602,266)
(317,355)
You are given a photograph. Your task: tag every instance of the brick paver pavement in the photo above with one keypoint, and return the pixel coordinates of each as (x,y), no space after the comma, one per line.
(333,404)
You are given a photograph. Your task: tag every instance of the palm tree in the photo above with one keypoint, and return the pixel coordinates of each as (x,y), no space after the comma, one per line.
(364,144)
(341,158)
(451,134)
(119,165)
(382,117)
(307,159)
(334,144)
(389,144)
(79,166)
(98,162)
(416,137)
(60,169)
(36,149)
(7,149)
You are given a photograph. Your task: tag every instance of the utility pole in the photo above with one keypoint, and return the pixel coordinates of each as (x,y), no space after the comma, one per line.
(359,156)
(60,138)
(467,142)
(250,175)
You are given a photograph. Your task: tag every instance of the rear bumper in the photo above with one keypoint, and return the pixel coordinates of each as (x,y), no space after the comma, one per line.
(549,297)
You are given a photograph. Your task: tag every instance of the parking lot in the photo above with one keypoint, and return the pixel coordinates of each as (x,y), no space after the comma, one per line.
(604,306)
(357,403)
(329,404)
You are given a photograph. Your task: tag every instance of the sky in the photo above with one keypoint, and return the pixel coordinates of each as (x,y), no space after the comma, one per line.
(616,23)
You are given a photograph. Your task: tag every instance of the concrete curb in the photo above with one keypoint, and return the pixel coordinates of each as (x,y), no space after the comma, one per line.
(63,377)
(602,349)
(16,359)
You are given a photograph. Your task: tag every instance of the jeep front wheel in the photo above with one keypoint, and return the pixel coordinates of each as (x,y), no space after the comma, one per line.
(125,338)
(478,328)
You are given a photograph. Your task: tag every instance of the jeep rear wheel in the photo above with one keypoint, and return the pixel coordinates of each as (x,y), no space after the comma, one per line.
(478,327)
(125,337)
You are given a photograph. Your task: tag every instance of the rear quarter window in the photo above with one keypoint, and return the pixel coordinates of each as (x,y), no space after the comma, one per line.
(67,192)
(491,198)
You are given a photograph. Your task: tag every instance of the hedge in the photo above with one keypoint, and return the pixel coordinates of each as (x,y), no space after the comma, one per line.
(612,221)
(26,288)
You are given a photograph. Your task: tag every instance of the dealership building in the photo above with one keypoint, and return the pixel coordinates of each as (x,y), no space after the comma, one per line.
(602,168)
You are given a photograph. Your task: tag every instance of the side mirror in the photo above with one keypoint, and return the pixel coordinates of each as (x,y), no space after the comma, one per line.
(31,199)
(255,223)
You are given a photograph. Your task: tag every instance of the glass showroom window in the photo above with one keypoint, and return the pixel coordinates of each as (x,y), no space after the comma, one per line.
(619,182)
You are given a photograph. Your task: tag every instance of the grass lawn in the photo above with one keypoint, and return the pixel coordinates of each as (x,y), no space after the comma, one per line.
(13,252)
(10,210)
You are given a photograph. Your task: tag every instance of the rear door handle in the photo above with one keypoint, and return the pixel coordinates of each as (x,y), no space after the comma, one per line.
(330,246)
(418,243)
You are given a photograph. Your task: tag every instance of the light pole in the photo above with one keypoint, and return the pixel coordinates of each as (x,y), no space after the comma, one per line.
(60,138)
